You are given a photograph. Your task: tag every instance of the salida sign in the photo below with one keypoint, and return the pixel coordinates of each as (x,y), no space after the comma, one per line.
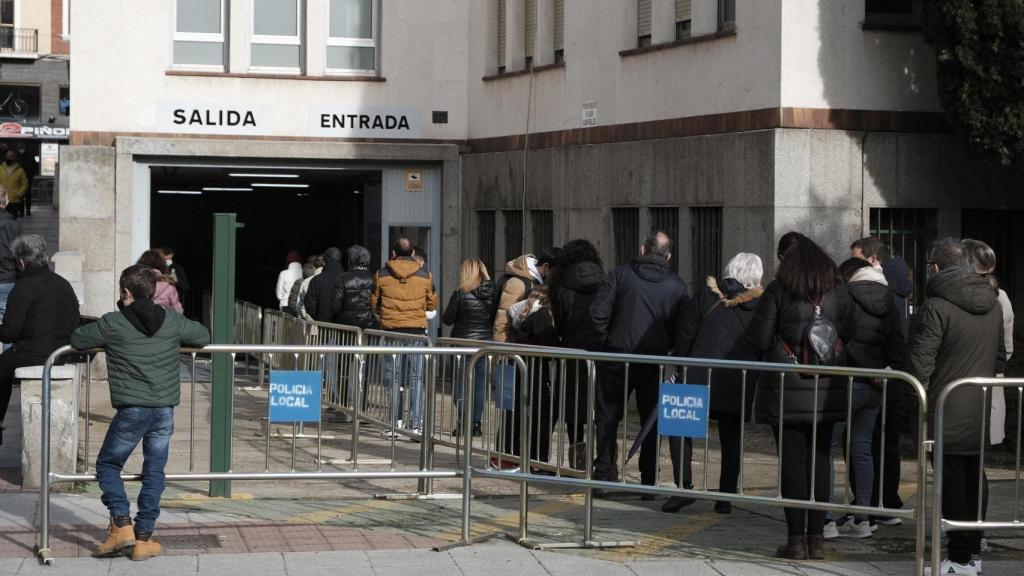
(199,118)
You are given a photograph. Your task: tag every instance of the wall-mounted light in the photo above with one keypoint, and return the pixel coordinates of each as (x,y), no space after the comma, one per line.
(184,192)
(275,185)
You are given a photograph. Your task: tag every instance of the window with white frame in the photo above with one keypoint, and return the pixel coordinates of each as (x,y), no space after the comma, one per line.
(352,36)
(199,34)
(276,41)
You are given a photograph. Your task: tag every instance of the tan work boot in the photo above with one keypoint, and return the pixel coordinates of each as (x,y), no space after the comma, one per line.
(119,537)
(146,549)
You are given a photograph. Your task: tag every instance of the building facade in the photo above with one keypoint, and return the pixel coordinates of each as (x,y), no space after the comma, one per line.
(492,127)
(35,93)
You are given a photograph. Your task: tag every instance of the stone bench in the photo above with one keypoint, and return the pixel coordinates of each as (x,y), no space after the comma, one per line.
(64,385)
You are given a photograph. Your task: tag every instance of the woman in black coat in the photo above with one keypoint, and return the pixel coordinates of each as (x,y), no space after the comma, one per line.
(470,313)
(350,302)
(713,326)
(806,285)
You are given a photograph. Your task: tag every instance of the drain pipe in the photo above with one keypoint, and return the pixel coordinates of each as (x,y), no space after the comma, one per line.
(526,157)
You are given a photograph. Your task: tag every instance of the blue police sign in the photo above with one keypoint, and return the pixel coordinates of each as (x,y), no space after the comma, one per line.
(683,410)
(294,396)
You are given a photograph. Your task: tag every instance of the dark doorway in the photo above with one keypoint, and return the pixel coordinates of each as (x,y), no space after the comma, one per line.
(279,210)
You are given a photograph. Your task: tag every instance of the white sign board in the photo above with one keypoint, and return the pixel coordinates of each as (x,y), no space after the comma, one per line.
(589,114)
(48,152)
(209,118)
(364,122)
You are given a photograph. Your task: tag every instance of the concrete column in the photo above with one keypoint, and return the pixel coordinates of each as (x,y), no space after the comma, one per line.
(544,51)
(239,24)
(317,31)
(705,17)
(68,265)
(663,21)
(63,422)
(515,35)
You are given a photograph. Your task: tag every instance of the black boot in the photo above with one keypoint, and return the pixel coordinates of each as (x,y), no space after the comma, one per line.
(816,547)
(794,549)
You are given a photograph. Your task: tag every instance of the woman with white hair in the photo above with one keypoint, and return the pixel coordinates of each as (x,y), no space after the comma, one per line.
(713,326)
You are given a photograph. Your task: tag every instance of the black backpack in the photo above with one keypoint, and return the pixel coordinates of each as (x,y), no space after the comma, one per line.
(500,289)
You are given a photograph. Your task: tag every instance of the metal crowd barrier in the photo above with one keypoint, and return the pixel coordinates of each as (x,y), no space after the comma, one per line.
(413,471)
(280,329)
(530,367)
(980,522)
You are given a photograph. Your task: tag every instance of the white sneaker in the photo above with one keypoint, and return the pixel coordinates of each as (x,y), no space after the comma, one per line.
(948,567)
(853,529)
(976,562)
(831,532)
(889,521)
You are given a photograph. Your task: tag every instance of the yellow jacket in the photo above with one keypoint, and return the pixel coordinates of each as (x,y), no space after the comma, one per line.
(14,181)
(404,295)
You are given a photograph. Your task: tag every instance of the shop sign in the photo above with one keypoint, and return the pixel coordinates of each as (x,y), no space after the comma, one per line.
(202,118)
(39,131)
(48,155)
(413,180)
(364,122)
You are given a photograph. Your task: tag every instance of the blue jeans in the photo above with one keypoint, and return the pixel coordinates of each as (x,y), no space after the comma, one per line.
(867,400)
(409,376)
(5,291)
(480,375)
(152,426)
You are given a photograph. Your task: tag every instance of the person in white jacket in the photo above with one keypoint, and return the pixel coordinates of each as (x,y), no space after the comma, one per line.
(287,277)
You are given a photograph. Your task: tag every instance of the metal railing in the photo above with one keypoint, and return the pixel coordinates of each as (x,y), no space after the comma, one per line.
(980,521)
(23,40)
(530,365)
(415,470)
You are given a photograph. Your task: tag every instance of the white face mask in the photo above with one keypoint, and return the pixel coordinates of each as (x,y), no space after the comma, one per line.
(169,261)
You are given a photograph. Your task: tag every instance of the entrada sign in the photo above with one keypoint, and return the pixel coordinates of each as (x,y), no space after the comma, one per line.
(201,118)
(364,122)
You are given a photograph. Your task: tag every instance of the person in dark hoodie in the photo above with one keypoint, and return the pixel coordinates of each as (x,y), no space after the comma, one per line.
(897,276)
(470,314)
(573,284)
(634,313)
(42,312)
(142,342)
(957,333)
(712,326)
(806,287)
(317,302)
(877,343)
(350,300)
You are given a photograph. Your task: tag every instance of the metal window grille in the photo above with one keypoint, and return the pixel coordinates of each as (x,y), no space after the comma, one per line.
(909,232)
(625,233)
(726,14)
(543,229)
(643,22)
(502,20)
(1001,230)
(559,22)
(485,237)
(707,243)
(667,220)
(513,233)
(531,26)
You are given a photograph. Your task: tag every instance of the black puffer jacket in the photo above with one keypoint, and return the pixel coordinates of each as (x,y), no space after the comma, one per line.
(777,316)
(877,339)
(713,326)
(958,334)
(897,274)
(42,312)
(636,309)
(350,303)
(471,314)
(573,290)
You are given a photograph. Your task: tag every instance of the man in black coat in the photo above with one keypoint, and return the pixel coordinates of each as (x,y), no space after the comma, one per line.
(321,288)
(958,333)
(42,312)
(9,230)
(634,313)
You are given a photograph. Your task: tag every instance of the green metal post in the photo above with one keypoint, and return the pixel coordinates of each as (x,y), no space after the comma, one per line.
(223,366)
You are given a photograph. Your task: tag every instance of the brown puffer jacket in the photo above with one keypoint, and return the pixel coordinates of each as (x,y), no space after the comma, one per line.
(516,288)
(404,295)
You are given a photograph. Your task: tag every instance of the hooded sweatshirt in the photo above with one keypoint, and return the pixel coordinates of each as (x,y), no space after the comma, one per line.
(897,275)
(403,296)
(958,333)
(573,290)
(521,276)
(878,340)
(636,309)
(285,279)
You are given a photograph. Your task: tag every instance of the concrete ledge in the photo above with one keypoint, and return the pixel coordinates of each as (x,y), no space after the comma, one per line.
(56,373)
(63,422)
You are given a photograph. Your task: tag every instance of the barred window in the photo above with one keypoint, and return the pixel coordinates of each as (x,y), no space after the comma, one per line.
(909,232)
(625,234)
(513,233)
(543,230)
(667,220)
(706,241)
(485,238)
